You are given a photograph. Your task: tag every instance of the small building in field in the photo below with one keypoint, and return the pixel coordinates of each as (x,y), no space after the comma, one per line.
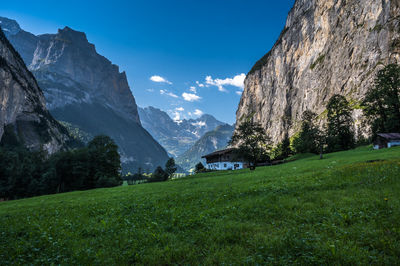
(224,160)
(386,140)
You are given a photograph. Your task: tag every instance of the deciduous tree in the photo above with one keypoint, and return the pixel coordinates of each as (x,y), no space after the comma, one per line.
(252,141)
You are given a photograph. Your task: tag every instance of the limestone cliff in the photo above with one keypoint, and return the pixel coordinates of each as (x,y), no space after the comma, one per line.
(22,105)
(326,47)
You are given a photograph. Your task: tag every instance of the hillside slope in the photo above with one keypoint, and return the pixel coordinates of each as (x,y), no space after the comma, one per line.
(343,210)
(211,141)
(327,47)
(23,112)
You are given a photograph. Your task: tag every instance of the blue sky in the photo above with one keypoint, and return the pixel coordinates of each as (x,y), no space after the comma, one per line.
(185,57)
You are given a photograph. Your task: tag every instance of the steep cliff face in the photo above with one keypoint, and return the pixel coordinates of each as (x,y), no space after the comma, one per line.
(71,70)
(87,91)
(22,105)
(326,47)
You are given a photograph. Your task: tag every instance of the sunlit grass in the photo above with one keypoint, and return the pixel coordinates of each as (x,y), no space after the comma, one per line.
(340,210)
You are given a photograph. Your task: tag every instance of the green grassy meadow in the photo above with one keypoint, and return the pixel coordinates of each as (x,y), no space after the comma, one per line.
(344,209)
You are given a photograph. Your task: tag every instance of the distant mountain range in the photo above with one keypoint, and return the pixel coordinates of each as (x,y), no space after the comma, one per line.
(211,141)
(87,91)
(176,137)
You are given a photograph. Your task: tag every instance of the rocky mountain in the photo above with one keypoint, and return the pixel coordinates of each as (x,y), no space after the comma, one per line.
(23,114)
(211,141)
(326,47)
(87,91)
(176,137)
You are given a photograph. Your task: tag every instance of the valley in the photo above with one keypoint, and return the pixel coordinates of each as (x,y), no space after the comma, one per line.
(340,210)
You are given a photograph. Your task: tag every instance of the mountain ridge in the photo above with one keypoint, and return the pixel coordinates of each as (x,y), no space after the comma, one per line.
(211,141)
(176,137)
(85,89)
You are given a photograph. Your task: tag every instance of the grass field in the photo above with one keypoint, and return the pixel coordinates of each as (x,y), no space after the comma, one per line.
(340,210)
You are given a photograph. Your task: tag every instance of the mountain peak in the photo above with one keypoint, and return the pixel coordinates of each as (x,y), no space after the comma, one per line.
(9,26)
(73,35)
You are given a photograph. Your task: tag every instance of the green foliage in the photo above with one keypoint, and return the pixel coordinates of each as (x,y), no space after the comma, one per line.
(340,135)
(307,212)
(95,119)
(159,175)
(170,167)
(77,133)
(382,101)
(200,168)
(27,174)
(252,141)
(378,27)
(319,60)
(307,139)
(105,158)
(282,150)
(9,138)
(260,63)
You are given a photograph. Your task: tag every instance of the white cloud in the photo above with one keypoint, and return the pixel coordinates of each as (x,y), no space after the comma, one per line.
(160,79)
(180,109)
(199,84)
(239,93)
(168,93)
(198,112)
(199,124)
(177,117)
(193,89)
(150,90)
(190,97)
(236,81)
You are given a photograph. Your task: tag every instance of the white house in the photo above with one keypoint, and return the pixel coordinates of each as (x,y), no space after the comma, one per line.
(386,140)
(223,160)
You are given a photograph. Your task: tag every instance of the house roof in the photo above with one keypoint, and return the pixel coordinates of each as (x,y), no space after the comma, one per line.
(220,152)
(390,136)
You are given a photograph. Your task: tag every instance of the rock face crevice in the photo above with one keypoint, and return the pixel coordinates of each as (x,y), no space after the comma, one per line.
(22,105)
(326,47)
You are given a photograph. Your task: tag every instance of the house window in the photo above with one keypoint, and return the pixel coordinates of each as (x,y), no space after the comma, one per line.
(224,164)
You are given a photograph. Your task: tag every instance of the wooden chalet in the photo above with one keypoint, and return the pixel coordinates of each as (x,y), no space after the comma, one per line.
(386,140)
(224,160)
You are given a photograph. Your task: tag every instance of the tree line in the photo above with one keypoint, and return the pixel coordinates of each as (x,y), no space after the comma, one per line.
(159,174)
(381,109)
(25,174)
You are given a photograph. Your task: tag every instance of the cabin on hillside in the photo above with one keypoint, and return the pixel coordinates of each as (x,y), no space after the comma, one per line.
(224,160)
(386,140)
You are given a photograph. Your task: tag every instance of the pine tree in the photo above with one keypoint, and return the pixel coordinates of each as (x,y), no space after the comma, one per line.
(199,168)
(340,135)
(307,140)
(253,142)
(382,101)
(170,167)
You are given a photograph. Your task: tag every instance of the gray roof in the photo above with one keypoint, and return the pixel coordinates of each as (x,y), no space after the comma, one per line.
(220,152)
(390,136)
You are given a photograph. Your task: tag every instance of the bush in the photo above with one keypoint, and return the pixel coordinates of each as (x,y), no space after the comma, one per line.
(200,168)
(159,175)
